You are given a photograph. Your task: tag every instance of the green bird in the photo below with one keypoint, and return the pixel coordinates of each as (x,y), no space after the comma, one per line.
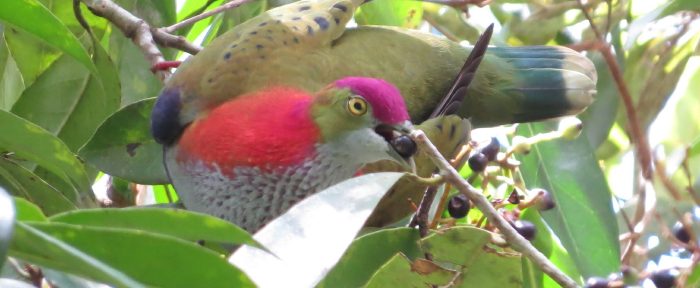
(305,48)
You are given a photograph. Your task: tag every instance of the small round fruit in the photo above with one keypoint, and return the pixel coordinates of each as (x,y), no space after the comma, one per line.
(458,206)
(546,201)
(597,282)
(521,145)
(570,128)
(404,145)
(514,198)
(478,162)
(664,278)
(680,233)
(525,229)
(491,150)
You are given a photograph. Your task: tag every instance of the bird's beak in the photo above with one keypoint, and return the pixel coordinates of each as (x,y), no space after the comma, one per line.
(402,148)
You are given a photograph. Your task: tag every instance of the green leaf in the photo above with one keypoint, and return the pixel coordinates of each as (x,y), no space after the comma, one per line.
(12,283)
(449,22)
(33,17)
(479,261)
(23,183)
(367,254)
(27,211)
(583,218)
(670,7)
(137,81)
(399,271)
(140,256)
(546,243)
(123,146)
(407,14)
(317,231)
(69,101)
(35,144)
(7,220)
(35,246)
(600,116)
(32,55)
(11,82)
(178,223)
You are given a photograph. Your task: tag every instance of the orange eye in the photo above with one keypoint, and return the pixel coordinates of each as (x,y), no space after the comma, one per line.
(357,106)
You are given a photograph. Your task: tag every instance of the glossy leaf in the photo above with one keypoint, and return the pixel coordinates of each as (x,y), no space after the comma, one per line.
(178,223)
(137,80)
(70,102)
(399,271)
(38,247)
(123,146)
(32,55)
(35,144)
(22,182)
(27,211)
(406,14)
(546,243)
(12,283)
(7,220)
(583,218)
(139,255)
(308,240)
(368,253)
(449,22)
(33,17)
(668,8)
(600,116)
(11,82)
(479,261)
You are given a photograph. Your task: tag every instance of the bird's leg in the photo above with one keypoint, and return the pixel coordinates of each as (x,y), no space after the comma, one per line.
(165,65)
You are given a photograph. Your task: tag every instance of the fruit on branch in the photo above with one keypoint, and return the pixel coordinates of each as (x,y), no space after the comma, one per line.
(597,282)
(680,233)
(458,206)
(664,278)
(525,229)
(477,162)
(491,150)
(546,201)
(245,122)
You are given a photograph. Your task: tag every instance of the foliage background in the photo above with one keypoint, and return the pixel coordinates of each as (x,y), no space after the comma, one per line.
(60,88)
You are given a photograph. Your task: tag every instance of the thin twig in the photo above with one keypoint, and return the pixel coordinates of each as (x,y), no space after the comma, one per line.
(423,214)
(638,136)
(514,239)
(140,32)
(196,18)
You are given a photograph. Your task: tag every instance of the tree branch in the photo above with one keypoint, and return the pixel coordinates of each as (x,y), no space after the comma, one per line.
(140,32)
(194,19)
(514,239)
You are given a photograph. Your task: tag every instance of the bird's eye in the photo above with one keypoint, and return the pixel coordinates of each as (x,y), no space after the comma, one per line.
(357,106)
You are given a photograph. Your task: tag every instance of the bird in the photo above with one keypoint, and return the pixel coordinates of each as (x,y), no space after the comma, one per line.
(239,121)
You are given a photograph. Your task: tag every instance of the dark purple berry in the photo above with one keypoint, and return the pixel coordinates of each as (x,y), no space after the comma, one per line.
(514,198)
(404,145)
(477,162)
(546,200)
(597,282)
(458,207)
(680,233)
(525,229)
(664,278)
(491,150)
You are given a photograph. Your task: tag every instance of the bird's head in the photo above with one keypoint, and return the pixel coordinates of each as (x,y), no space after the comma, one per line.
(368,116)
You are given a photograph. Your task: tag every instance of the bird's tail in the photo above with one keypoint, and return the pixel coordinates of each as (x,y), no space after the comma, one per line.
(523,84)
